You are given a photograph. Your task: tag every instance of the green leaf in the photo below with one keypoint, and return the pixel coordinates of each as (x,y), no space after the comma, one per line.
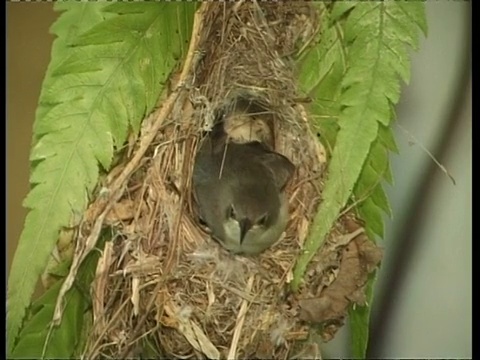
(73,21)
(341,8)
(369,192)
(320,72)
(324,59)
(38,338)
(109,65)
(375,37)
(62,339)
(359,319)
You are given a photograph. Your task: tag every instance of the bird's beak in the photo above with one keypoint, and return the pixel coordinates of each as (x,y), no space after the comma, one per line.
(245,225)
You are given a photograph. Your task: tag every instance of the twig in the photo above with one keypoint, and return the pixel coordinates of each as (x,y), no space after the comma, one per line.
(197,26)
(414,140)
(95,348)
(240,320)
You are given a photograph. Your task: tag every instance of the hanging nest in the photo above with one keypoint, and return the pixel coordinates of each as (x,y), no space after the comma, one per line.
(163,286)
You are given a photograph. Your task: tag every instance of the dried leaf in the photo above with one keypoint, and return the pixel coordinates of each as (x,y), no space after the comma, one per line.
(360,257)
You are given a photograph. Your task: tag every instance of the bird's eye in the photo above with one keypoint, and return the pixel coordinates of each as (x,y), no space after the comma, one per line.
(262,220)
(231,212)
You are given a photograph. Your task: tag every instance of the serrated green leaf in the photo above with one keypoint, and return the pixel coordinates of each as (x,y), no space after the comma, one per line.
(384,143)
(364,189)
(326,128)
(378,161)
(340,8)
(378,158)
(385,135)
(372,37)
(325,61)
(109,64)
(380,199)
(339,185)
(416,12)
(61,339)
(359,320)
(369,186)
(73,21)
(374,223)
(37,337)
(320,74)
(378,59)
(23,277)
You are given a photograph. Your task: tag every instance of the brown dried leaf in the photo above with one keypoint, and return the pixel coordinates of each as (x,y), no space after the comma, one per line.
(360,257)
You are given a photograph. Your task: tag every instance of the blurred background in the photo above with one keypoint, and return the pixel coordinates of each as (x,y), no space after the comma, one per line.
(423,302)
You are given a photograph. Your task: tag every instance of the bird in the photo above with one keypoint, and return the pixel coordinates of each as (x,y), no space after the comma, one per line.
(239,188)
(247,121)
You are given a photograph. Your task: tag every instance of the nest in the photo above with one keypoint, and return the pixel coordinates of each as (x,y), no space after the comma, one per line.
(163,286)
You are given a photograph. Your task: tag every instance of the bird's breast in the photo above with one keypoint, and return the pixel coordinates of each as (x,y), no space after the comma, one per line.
(257,239)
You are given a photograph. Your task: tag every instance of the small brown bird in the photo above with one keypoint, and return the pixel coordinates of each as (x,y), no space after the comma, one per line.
(240,192)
